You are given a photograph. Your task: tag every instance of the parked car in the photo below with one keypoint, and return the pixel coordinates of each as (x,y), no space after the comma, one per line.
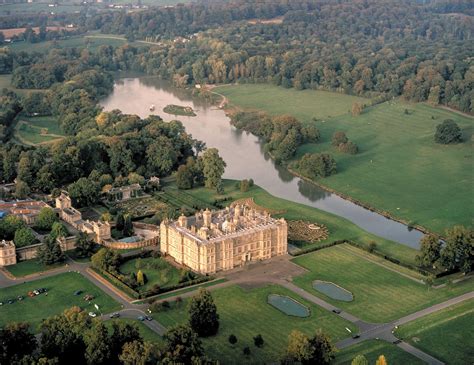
(42,290)
(20,298)
(92,314)
(141,318)
(11,301)
(148,318)
(115,315)
(78,292)
(355,335)
(337,310)
(36,292)
(1,303)
(31,294)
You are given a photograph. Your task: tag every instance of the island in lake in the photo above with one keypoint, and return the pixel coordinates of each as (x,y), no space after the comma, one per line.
(179,110)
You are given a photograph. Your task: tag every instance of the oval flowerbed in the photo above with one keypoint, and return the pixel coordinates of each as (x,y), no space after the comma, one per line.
(288,305)
(333,291)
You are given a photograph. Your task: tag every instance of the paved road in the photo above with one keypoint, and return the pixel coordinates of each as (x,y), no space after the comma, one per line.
(278,271)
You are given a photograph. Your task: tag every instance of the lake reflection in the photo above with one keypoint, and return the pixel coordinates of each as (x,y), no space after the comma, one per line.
(244,154)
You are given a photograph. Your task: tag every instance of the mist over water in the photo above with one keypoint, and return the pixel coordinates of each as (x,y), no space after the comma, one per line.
(244,153)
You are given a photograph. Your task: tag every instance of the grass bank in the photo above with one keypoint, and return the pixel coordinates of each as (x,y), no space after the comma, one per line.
(399,168)
(446,335)
(29,267)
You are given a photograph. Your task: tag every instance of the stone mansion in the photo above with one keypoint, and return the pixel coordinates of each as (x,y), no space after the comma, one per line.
(213,241)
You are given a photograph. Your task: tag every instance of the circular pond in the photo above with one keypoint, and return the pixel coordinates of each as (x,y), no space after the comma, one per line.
(332,290)
(288,305)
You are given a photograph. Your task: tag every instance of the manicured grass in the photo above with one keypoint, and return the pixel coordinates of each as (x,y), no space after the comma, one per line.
(5,83)
(380,295)
(399,168)
(339,228)
(29,267)
(157,271)
(447,334)
(29,133)
(245,313)
(48,123)
(60,296)
(372,349)
(278,100)
(146,333)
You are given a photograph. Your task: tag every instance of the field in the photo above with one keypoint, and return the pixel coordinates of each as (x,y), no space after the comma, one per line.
(339,228)
(447,334)
(246,314)
(380,295)
(305,104)
(38,130)
(157,271)
(399,168)
(60,296)
(372,349)
(29,267)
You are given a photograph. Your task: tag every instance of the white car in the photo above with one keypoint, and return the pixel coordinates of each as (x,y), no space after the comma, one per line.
(92,314)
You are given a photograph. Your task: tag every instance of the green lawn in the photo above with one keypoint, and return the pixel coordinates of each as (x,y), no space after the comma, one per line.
(146,333)
(447,334)
(399,168)
(5,83)
(372,349)
(278,100)
(245,313)
(48,123)
(32,135)
(60,296)
(380,295)
(157,271)
(339,228)
(29,267)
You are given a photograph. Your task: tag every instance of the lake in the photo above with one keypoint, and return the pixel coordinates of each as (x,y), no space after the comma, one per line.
(244,153)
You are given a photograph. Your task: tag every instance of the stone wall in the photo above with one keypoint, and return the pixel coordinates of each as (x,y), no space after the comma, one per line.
(132,245)
(28,252)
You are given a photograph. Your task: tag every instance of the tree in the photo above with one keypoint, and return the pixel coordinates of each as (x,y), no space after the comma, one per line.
(430,250)
(22,190)
(356,109)
(16,341)
(161,156)
(61,336)
(213,168)
(127,225)
(24,237)
(139,353)
(244,185)
(458,251)
(258,340)
(58,230)
(84,246)
(381,360)
(98,345)
(448,132)
(140,278)
(106,259)
(203,316)
(182,345)
(349,147)
(232,339)
(315,350)
(84,192)
(317,165)
(9,225)
(338,138)
(360,360)
(50,252)
(246,351)
(122,333)
(119,222)
(184,177)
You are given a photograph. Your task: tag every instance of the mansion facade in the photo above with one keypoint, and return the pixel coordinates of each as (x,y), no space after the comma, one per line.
(214,241)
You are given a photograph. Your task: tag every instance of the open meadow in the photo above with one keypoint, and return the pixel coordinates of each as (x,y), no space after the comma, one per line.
(446,335)
(246,313)
(399,168)
(37,130)
(60,296)
(28,267)
(380,294)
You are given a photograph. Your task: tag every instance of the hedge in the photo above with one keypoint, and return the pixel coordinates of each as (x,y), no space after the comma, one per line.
(119,284)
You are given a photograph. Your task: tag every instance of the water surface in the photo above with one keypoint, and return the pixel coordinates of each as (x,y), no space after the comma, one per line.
(244,154)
